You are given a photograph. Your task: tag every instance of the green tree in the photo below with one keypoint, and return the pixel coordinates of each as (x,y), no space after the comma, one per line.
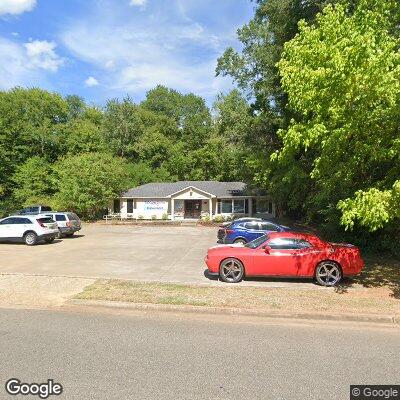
(33,182)
(122,126)
(190,113)
(87,183)
(342,76)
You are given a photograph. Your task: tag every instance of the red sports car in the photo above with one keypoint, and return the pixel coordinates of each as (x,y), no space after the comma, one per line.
(286,254)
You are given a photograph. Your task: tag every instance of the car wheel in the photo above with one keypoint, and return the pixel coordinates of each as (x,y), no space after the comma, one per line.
(50,240)
(231,270)
(30,238)
(328,273)
(240,240)
(59,234)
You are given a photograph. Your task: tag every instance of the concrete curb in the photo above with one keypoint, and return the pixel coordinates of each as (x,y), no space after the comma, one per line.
(381,319)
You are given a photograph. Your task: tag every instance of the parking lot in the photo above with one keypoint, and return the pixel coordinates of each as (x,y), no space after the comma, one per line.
(144,253)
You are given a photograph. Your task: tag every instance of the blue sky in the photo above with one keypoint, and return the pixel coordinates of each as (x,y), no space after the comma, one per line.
(100,49)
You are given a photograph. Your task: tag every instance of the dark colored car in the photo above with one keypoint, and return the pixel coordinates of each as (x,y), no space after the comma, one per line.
(246,230)
(33,210)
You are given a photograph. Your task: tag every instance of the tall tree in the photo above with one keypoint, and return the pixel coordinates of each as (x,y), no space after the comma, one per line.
(343,79)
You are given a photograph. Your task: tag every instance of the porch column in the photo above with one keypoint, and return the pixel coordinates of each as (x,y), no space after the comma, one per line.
(250,204)
(172,208)
(210,205)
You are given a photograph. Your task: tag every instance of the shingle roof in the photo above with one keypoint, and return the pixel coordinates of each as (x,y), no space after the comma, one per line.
(162,189)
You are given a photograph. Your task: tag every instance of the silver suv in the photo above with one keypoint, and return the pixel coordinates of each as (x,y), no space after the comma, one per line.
(68,222)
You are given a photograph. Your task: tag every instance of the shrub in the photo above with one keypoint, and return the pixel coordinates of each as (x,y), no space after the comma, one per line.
(154,217)
(219,218)
(165,217)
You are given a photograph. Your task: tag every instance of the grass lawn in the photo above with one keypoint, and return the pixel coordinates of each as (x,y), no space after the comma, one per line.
(375,291)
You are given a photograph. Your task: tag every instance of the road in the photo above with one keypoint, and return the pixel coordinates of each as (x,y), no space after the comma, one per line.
(120,355)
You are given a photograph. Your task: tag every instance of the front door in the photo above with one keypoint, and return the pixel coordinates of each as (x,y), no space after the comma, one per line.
(192,209)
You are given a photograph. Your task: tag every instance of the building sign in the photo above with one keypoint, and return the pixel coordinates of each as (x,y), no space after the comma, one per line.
(152,205)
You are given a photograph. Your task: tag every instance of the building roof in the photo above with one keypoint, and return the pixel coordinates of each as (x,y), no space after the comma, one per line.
(162,189)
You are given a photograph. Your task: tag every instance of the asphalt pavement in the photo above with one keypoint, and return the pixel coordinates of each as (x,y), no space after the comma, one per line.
(142,253)
(133,355)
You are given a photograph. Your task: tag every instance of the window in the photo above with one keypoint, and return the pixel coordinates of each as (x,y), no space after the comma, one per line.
(45,220)
(7,221)
(267,226)
(238,206)
(179,206)
(226,206)
(46,209)
(257,242)
(22,221)
(282,244)
(218,206)
(117,206)
(262,206)
(253,226)
(129,206)
(288,244)
(60,217)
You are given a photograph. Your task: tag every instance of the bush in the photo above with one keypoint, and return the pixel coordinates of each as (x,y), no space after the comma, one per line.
(153,217)
(219,218)
(140,217)
(165,217)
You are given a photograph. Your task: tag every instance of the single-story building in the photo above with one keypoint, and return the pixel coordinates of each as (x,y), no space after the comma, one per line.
(192,200)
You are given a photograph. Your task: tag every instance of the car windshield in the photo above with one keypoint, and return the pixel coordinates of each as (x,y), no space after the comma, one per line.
(257,242)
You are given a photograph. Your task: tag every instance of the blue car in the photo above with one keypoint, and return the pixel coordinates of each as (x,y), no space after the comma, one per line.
(245,230)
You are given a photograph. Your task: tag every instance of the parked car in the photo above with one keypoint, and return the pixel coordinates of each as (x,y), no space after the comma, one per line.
(33,210)
(286,254)
(68,222)
(245,230)
(30,229)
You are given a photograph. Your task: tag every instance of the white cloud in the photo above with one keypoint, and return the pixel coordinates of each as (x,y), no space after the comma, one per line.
(14,70)
(16,6)
(41,54)
(135,54)
(138,3)
(91,81)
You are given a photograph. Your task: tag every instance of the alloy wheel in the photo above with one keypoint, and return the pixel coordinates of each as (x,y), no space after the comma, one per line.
(328,274)
(30,239)
(231,271)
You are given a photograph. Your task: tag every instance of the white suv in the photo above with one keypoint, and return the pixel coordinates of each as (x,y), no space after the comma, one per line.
(28,228)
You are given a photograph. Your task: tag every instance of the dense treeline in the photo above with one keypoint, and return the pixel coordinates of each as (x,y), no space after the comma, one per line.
(71,155)
(324,81)
(315,121)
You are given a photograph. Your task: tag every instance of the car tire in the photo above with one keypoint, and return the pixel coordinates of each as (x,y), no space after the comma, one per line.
(30,238)
(328,273)
(69,234)
(240,240)
(231,270)
(50,240)
(59,234)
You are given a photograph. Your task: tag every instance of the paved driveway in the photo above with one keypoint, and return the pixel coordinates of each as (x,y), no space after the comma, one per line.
(146,253)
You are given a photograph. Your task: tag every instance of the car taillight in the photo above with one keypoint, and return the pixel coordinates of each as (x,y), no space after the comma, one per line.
(228,231)
(69,224)
(41,224)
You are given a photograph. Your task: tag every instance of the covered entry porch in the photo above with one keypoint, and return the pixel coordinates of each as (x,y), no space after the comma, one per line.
(192,203)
